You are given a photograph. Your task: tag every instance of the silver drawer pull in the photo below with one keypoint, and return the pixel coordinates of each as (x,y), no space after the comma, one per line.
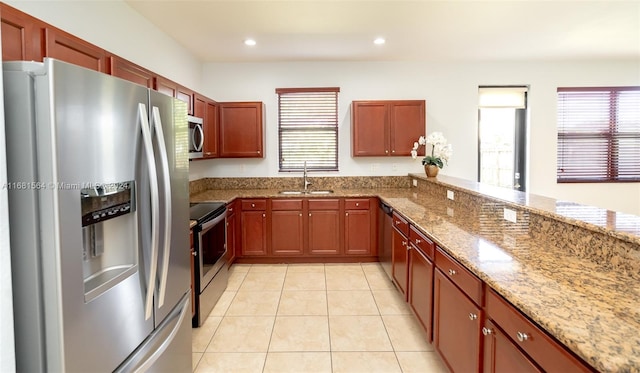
(418,240)
(473,316)
(452,272)
(487,331)
(253,205)
(522,336)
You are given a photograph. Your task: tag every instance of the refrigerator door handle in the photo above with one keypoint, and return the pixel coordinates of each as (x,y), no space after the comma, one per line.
(155,208)
(156,123)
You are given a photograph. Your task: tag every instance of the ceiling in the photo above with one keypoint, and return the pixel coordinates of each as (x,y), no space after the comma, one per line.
(334,30)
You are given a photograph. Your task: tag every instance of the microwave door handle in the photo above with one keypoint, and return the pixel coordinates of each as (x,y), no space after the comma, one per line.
(155,208)
(201,131)
(156,122)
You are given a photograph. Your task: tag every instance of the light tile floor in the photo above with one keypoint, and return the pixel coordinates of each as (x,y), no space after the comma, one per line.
(312,318)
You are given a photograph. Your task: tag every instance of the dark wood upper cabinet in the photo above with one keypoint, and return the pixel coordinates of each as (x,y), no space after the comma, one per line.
(240,125)
(210,127)
(127,70)
(186,95)
(165,86)
(386,128)
(68,48)
(21,35)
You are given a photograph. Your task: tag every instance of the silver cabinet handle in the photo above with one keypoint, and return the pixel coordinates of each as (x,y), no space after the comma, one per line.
(522,336)
(346,214)
(253,205)
(309,214)
(452,272)
(193,253)
(487,331)
(404,243)
(393,151)
(397,222)
(300,214)
(357,204)
(418,240)
(386,151)
(473,316)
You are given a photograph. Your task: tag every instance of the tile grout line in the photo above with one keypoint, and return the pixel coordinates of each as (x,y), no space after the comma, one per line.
(275,317)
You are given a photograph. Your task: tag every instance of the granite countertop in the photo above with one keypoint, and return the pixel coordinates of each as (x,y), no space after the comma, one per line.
(592,310)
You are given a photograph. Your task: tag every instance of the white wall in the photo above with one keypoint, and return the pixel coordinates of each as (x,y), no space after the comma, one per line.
(116,27)
(450,90)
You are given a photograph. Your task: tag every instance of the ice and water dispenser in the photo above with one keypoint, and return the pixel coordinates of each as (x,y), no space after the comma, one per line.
(109,236)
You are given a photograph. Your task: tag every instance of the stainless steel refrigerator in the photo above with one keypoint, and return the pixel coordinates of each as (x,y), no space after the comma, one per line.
(98,214)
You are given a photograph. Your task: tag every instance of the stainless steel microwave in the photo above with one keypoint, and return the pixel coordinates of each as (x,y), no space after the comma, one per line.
(196,137)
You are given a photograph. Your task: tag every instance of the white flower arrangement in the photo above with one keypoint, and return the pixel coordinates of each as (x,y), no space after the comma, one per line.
(440,150)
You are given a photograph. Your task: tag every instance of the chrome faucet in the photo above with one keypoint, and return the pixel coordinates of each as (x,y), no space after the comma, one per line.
(304,176)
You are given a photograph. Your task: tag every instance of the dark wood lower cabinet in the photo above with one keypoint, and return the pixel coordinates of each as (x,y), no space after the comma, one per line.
(420,289)
(324,231)
(254,233)
(287,232)
(456,326)
(501,355)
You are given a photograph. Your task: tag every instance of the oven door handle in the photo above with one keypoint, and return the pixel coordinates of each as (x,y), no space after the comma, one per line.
(155,208)
(207,225)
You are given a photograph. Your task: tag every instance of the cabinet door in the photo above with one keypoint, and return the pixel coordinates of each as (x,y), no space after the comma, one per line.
(69,48)
(407,125)
(287,233)
(357,232)
(210,127)
(186,95)
(420,292)
(254,233)
(124,69)
(199,106)
(20,35)
(456,326)
(165,86)
(370,128)
(501,355)
(231,234)
(399,259)
(240,128)
(324,232)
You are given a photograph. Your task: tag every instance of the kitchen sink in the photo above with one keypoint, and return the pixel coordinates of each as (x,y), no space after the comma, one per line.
(291,192)
(319,191)
(301,192)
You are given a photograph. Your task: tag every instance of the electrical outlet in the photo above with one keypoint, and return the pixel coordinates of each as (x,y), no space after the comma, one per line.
(510,215)
(415,182)
(450,194)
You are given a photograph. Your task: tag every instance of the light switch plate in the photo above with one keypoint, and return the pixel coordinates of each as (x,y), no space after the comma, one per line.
(450,194)
(415,182)
(510,215)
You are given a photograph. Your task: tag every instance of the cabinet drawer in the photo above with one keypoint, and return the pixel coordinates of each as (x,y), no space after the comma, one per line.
(547,353)
(401,224)
(254,204)
(324,204)
(462,277)
(356,204)
(422,242)
(286,204)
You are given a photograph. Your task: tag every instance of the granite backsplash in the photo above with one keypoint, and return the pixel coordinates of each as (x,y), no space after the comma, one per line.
(295,183)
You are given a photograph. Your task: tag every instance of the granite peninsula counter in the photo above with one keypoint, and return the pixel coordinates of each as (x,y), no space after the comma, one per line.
(588,298)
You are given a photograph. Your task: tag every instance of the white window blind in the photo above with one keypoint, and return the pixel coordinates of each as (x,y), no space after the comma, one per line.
(308,128)
(598,134)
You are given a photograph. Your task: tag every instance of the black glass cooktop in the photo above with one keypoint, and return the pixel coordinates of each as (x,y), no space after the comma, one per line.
(204,211)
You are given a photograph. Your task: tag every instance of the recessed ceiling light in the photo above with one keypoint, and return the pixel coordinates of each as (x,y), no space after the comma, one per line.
(250,42)
(379,41)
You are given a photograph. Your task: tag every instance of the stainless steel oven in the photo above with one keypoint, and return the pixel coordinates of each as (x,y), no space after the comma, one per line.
(211,275)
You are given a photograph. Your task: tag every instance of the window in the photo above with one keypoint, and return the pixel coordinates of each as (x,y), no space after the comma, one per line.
(598,134)
(308,128)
